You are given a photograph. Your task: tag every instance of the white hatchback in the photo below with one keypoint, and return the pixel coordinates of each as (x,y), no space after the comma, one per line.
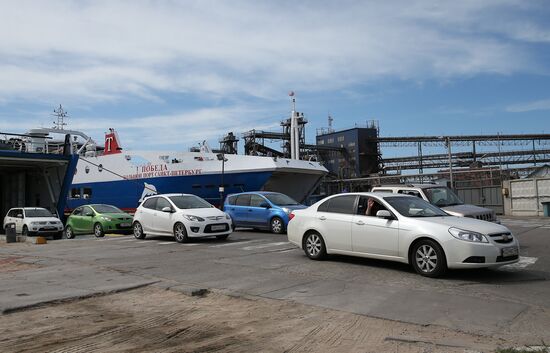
(400,228)
(182,215)
(34,221)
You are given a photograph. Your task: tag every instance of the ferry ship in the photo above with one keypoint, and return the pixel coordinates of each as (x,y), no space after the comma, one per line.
(124,179)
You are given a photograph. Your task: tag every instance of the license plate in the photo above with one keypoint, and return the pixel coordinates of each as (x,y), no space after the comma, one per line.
(125,225)
(511,251)
(219,227)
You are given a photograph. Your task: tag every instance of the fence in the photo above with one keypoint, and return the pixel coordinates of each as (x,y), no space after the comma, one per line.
(525,196)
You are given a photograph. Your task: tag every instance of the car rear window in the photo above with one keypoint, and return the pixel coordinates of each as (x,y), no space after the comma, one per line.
(150,203)
(339,204)
(243,200)
(231,200)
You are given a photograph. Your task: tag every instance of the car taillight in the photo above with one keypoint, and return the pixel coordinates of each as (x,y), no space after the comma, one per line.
(290,216)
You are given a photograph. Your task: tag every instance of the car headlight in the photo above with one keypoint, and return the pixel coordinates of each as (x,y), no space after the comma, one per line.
(34,224)
(287,210)
(468,235)
(227,216)
(194,218)
(108,219)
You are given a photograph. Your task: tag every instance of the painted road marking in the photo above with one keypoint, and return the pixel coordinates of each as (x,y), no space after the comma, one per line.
(167,242)
(123,240)
(253,247)
(234,243)
(523,262)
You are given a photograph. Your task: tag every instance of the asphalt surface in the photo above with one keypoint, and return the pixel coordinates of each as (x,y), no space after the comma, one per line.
(513,300)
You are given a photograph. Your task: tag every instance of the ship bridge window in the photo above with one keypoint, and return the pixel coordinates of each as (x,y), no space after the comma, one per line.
(75,193)
(86,193)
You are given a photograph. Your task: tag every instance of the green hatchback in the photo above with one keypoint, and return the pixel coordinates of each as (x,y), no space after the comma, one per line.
(98,219)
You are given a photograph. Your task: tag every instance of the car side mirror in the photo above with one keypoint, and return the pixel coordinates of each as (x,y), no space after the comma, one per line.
(167,209)
(265,205)
(384,214)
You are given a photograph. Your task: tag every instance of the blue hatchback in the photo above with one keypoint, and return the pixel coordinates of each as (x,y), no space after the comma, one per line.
(263,209)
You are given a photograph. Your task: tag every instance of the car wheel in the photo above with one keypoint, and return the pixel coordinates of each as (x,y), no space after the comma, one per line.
(138,231)
(222,237)
(428,259)
(98,230)
(69,234)
(25,231)
(314,246)
(180,233)
(277,225)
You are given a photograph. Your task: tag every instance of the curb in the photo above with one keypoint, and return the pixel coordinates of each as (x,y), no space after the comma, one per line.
(14,309)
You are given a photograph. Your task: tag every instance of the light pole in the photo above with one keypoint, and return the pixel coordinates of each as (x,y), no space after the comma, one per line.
(221,157)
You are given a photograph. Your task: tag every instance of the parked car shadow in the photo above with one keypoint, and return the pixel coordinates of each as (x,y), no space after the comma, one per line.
(500,276)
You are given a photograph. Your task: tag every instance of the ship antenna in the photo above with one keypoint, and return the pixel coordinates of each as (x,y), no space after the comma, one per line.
(61,115)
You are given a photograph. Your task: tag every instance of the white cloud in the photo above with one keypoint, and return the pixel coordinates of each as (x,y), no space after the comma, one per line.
(86,52)
(543,104)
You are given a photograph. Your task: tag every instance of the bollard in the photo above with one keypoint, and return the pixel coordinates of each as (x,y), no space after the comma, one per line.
(11,236)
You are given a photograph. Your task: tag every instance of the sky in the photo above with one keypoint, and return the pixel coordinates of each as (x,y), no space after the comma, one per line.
(169,74)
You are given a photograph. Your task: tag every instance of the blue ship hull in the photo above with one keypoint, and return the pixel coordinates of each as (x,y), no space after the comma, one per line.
(126,194)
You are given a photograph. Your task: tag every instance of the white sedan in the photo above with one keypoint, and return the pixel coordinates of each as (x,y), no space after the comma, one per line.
(182,215)
(400,228)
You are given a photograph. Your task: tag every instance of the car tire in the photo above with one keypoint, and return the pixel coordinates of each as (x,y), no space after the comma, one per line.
(98,230)
(180,233)
(314,246)
(222,237)
(69,233)
(138,231)
(58,236)
(25,231)
(428,258)
(277,225)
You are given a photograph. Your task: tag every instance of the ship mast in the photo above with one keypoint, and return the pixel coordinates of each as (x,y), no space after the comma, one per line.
(61,115)
(294,130)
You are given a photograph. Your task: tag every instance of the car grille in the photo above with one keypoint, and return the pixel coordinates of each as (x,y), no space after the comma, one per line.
(124,219)
(208,228)
(502,238)
(215,218)
(485,216)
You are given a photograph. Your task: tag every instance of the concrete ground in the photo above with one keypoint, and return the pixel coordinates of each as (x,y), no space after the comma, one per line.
(509,306)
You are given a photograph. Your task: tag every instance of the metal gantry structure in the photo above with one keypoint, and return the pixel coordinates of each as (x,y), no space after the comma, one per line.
(537,151)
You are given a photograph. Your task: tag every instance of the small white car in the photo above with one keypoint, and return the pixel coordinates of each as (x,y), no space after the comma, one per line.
(34,221)
(400,228)
(184,216)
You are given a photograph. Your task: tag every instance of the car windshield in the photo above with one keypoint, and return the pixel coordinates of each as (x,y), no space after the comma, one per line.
(409,206)
(281,200)
(442,197)
(38,212)
(189,201)
(107,209)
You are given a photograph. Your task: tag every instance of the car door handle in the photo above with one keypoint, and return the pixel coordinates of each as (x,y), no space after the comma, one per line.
(322,218)
(361,223)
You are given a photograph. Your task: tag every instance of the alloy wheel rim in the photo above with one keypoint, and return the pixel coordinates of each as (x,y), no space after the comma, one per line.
(68,233)
(276,226)
(313,245)
(426,258)
(179,232)
(137,230)
(97,231)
